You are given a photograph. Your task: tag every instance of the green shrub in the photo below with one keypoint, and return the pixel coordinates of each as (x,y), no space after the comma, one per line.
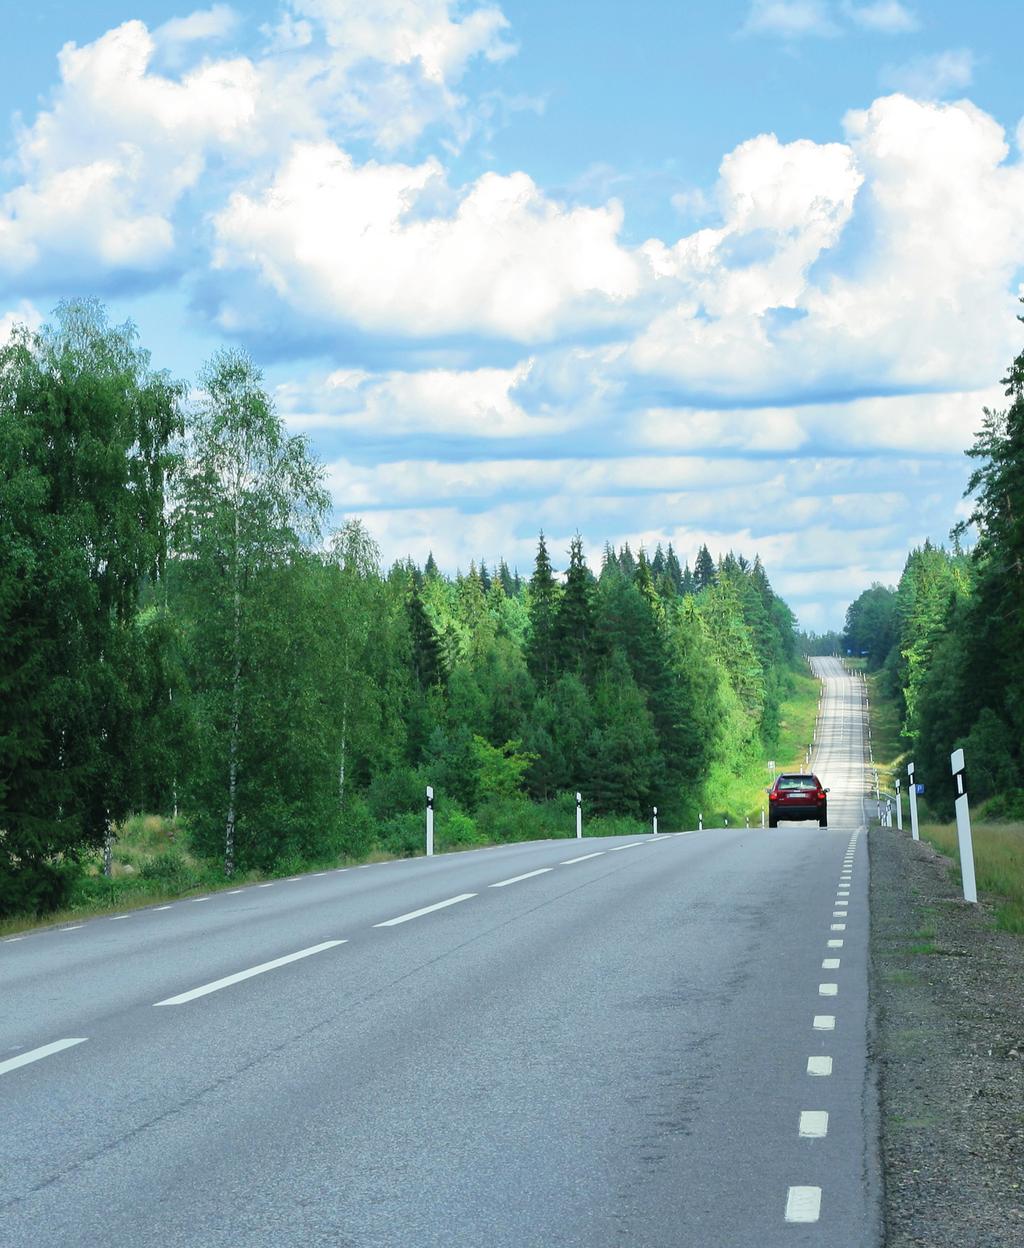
(454,828)
(402,835)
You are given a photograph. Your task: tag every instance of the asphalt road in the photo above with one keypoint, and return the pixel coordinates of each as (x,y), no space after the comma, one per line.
(594,1043)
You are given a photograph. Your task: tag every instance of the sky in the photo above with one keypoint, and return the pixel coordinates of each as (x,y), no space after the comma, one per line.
(743,273)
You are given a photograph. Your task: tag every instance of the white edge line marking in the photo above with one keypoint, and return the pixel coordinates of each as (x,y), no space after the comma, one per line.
(34,1055)
(631,845)
(569,861)
(819,1066)
(803,1204)
(200,899)
(269,884)
(516,878)
(118,916)
(163,907)
(77,928)
(813,1124)
(10,940)
(415,914)
(233,892)
(824,1022)
(237,978)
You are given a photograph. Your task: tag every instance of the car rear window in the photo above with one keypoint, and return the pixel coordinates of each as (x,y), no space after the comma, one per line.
(797,782)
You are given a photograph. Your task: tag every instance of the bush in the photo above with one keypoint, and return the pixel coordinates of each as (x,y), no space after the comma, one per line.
(518,819)
(402,835)
(453,827)
(614,825)
(357,829)
(35,887)
(1003,808)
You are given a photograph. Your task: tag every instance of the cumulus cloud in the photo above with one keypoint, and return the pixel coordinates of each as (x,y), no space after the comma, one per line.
(346,245)
(104,168)
(942,214)
(933,76)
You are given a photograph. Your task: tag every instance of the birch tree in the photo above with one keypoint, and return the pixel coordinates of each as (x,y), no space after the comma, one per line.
(249,499)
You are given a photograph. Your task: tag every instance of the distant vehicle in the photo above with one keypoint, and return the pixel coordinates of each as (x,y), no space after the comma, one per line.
(797,797)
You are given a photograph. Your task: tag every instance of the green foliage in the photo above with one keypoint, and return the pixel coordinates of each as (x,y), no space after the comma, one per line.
(175,635)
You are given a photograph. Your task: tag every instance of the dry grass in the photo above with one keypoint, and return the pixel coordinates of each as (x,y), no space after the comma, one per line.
(998,864)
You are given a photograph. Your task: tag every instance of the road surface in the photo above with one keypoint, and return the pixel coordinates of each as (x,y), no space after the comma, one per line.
(648,1042)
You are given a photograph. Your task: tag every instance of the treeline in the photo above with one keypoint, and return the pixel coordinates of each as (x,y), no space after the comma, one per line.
(180,633)
(950,636)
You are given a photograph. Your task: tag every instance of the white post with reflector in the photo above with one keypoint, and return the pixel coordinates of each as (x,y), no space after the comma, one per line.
(912,790)
(430,822)
(579,815)
(899,805)
(963,826)
(655,821)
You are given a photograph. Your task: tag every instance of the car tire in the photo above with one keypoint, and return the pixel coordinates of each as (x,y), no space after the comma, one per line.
(823,821)
(772,821)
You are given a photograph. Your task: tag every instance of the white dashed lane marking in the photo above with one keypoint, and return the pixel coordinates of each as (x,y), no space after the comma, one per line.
(415,914)
(803,1204)
(516,878)
(35,1055)
(824,1022)
(239,976)
(813,1124)
(819,1066)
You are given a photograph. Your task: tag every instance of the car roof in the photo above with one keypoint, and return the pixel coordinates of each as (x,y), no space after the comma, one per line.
(797,775)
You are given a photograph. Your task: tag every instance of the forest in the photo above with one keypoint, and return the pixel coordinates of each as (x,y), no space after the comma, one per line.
(948,637)
(182,632)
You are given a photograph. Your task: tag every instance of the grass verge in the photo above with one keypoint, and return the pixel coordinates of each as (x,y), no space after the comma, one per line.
(998,865)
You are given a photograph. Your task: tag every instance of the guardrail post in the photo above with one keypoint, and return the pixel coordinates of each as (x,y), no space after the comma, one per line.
(963,827)
(912,790)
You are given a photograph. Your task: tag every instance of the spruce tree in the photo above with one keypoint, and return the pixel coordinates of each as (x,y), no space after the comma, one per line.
(704,570)
(541,655)
(574,622)
(673,569)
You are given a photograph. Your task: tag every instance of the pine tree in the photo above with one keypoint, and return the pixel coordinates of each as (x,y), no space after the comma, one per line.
(431,570)
(687,582)
(627,563)
(658,562)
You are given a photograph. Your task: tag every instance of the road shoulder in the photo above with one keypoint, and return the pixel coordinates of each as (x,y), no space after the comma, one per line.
(948,994)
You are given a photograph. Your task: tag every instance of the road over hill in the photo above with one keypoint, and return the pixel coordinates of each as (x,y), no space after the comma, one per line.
(657,1042)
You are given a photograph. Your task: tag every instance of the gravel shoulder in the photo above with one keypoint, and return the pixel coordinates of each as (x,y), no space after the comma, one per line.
(948,996)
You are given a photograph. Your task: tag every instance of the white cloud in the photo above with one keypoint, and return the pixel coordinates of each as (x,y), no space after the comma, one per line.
(892,423)
(889,17)
(926,305)
(443,403)
(933,76)
(412,482)
(104,168)
(403,32)
(792,19)
(217,22)
(343,244)
(26,313)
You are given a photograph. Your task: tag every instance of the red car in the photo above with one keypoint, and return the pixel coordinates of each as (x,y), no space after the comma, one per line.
(797,797)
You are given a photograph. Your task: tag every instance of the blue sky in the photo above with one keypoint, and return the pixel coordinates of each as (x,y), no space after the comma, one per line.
(740,273)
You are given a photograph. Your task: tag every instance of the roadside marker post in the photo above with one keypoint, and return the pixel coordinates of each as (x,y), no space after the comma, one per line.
(700,823)
(912,790)
(655,821)
(579,816)
(963,827)
(899,805)
(430,822)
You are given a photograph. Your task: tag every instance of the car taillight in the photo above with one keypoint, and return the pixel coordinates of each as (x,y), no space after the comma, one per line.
(821,795)
(772,796)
